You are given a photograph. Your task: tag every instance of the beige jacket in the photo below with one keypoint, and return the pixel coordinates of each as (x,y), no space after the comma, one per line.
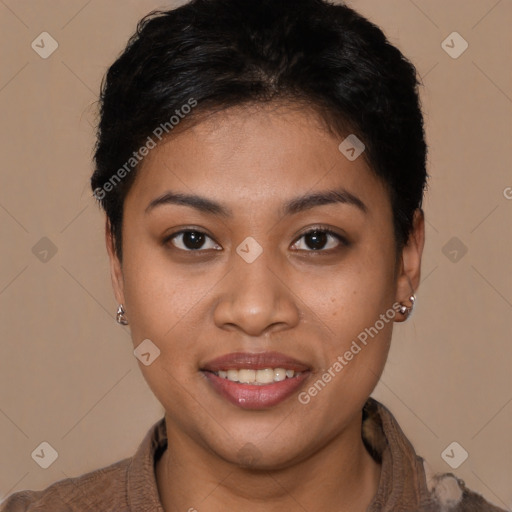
(406,485)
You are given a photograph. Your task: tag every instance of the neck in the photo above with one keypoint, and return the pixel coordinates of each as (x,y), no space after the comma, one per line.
(341,477)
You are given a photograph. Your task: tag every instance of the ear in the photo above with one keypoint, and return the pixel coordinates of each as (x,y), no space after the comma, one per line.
(116,273)
(409,272)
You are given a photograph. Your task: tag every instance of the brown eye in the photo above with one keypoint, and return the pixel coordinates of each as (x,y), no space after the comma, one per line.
(320,240)
(190,240)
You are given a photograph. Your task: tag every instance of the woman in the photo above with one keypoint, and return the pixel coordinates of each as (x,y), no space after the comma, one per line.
(262,166)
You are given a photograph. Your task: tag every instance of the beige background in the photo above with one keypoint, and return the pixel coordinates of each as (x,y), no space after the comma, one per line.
(67,372)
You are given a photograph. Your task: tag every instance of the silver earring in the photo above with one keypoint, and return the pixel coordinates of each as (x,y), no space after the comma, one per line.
(120,315)
(407,310)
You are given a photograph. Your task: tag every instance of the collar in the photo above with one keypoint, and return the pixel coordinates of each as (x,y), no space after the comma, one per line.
(402,485)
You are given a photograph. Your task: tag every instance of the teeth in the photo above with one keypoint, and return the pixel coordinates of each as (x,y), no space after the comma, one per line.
(279,374)
(257,377)
(246,375)
(233,375)
(265,376)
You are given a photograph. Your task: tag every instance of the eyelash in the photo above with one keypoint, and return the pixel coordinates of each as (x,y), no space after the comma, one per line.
(317,229)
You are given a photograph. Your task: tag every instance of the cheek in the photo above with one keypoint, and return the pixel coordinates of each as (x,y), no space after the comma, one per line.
(162,305)
(358,330)
(156,297)
(354,303)
(355,343)
(157,291)
(354,294)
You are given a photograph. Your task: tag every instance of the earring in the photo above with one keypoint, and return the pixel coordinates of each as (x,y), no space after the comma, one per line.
(407,310)
(120,315)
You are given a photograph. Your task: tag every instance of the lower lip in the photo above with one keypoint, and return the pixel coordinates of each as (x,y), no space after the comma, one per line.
(251,396)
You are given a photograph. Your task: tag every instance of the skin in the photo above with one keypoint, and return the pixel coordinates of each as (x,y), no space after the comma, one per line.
(305,303)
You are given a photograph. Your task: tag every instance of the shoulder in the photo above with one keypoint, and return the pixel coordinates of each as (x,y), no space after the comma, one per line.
(450,493)
(408,482)
(128,484)
(101,489)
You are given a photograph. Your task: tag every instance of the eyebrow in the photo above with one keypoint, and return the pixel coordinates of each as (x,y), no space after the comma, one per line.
(291,207)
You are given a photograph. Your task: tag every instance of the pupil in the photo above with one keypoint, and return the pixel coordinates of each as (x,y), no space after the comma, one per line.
(318,238)
(193,239)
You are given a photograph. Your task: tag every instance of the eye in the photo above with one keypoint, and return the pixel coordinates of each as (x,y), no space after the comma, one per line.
(191,240)
(317,239)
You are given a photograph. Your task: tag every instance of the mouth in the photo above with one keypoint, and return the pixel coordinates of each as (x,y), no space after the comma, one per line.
(257,377)
(255,380)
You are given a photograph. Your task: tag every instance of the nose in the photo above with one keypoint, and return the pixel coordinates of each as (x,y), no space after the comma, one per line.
(256,298)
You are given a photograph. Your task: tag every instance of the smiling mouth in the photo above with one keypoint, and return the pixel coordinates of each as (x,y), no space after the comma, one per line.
(262,377)
(255,380)
(255,395)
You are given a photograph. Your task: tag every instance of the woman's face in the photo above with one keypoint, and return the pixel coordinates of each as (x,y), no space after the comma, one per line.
(247,284)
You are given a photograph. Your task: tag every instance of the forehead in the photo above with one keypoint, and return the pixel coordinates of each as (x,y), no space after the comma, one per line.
(258,155)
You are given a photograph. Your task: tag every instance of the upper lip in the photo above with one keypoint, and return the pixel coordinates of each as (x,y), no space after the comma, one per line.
(254,361)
